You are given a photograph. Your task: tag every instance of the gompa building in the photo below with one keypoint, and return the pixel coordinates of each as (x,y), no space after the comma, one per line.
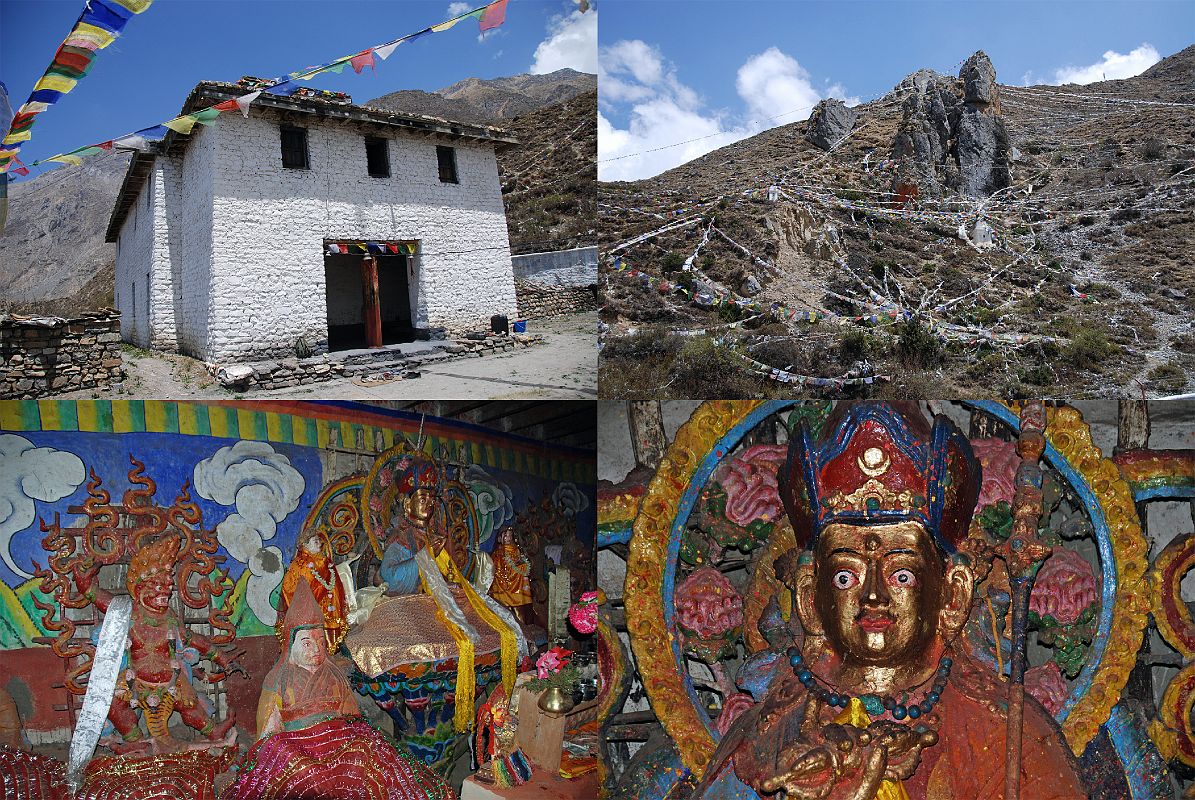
(310,225)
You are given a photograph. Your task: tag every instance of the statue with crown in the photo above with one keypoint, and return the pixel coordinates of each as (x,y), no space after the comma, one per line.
(859,600)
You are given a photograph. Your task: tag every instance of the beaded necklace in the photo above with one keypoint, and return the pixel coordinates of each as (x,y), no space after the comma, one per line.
(873,703)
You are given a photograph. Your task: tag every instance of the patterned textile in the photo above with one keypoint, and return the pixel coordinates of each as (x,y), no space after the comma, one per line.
(340,759)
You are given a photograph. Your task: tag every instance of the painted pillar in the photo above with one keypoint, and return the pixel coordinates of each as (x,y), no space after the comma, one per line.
(371,310)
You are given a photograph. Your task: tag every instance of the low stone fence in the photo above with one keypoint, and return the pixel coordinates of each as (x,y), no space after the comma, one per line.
(537,301)
(42,356)
(360,364)
(574,268)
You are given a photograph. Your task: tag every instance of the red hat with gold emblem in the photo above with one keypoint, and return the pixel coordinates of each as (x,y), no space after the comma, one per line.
(879,463)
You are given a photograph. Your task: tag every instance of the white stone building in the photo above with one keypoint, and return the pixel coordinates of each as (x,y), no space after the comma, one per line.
(223,235)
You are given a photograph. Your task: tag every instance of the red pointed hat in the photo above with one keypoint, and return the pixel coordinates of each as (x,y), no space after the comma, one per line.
(877,463)
(303,612)
(421,474)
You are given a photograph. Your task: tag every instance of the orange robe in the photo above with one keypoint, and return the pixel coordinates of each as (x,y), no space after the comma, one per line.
(319,574)
(512,585)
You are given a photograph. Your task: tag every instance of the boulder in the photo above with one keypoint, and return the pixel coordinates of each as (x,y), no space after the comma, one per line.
(979,79)
(751,286)
(830,122)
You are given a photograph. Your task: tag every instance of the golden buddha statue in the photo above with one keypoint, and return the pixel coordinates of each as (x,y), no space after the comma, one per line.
(875,700)
(512,574)
(313,564)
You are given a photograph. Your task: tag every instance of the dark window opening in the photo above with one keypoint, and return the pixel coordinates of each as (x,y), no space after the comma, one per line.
(447,158)
(294,148)
(377,154)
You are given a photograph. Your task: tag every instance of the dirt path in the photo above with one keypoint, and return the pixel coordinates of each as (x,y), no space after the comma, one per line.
(563,367)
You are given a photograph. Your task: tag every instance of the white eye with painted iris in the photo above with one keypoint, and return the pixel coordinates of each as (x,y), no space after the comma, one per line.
(844,579)
(903,578)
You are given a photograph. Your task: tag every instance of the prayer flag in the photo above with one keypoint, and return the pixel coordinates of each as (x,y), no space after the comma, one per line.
(104,17)
(244,101)
(495,15)
(136,6)
(385,50)
(419,35)
(182,124)
(105,145)
(19,136)
(286,89)
(362,60)
(227,105)
(207,116)
(47,96)
(443,26)
(66,158)
(393,248)
(91,33)
(336,67)
(56,82)
(21,170)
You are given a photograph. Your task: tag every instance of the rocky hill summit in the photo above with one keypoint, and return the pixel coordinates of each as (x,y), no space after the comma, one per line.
(957,236)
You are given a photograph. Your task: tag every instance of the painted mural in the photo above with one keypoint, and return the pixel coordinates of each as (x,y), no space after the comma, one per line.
(254,472)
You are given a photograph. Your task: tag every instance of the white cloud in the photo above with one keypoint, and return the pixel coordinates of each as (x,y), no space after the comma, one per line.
(29,473)
(265,488)
(667,123)
(456,9)
(1112,66)
(571,43)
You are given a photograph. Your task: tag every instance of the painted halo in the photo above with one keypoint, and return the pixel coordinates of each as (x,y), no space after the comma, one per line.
(713,431)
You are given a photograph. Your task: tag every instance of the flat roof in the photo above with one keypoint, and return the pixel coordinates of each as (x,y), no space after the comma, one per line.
(208,93)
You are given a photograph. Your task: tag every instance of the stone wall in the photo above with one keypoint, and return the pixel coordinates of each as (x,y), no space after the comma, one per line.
(41,356)
(537,301)
(575,267)
(243,261)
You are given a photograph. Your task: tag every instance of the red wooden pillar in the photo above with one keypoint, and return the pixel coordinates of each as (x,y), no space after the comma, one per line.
(371,310)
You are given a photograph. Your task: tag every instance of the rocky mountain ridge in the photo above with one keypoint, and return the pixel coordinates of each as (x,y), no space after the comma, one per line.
(957,236)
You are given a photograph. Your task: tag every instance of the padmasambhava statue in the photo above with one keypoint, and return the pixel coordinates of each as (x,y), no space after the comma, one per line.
(876,701)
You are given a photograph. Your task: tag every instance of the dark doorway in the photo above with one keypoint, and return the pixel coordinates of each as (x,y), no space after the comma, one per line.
(346,322)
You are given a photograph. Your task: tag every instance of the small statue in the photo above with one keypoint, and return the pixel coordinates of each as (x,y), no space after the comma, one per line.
(313,564)
(155,682)
(875,701)
(512,574)
(312,740)
(414,529)
(502,762)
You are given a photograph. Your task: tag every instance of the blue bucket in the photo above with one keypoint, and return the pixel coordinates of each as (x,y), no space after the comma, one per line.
(520,326)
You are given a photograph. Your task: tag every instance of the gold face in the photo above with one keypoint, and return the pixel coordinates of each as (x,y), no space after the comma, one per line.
(420,504)
(879,591)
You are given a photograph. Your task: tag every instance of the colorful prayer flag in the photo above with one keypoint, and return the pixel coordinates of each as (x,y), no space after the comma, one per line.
(182,124)
(386,50)
(443,26)
(244,101)
(207,116)
(362,60)
(66,158)
(495,15)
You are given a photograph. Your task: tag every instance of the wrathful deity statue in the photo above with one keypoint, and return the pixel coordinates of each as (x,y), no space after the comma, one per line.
(875,700)
(501,760)
(313,741)
(313,564)
(155,682)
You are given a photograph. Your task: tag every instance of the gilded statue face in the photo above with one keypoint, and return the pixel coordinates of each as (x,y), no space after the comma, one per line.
(308,648)
(879,591)
(421,504)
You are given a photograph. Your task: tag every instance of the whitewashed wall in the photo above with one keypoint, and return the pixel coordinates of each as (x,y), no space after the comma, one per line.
(238,262)
(134,257)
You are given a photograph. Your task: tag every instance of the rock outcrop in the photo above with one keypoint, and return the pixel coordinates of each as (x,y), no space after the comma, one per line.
(829,123)
(952,136)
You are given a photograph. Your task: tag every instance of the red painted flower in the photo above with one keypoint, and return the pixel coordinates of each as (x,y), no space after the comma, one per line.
(750,484)
(709,611)
(1064,587)
(1047,685)
(999,460)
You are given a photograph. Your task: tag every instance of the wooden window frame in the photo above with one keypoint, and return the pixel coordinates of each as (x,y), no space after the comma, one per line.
(283,131)
(453,174)
(381,145)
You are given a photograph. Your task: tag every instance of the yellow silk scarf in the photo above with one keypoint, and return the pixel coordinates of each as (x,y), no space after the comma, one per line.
(855,714)
(508,642)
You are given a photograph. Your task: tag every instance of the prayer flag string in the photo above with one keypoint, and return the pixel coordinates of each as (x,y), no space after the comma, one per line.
(97,27)
(489,16)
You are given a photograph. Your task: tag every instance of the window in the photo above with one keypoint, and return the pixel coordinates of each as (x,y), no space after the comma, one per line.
(447,158)
(377,154)
(294,148)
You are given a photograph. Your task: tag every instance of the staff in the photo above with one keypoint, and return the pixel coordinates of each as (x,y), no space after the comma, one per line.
(1023,552)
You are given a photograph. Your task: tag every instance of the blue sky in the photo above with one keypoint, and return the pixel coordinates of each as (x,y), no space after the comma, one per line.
(142,79)
(674,71)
